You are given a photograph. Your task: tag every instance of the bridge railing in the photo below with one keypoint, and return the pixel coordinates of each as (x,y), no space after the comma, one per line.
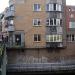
(67,65)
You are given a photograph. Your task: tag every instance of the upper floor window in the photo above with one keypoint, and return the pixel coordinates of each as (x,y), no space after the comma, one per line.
(71,24)
(53,7)
(36,22)
(37,7)
(53,22)
(54,38)
(37,37)
(12,8)
(71,38)
(71,15)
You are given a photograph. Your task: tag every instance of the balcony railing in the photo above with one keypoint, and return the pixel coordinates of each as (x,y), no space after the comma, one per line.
(13,45)
(10,28)
(9,14)
(11,2)
(54,45)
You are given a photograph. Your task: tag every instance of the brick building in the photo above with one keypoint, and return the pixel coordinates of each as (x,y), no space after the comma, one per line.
(37,32)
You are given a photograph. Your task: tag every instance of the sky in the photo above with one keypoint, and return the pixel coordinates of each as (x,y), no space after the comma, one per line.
(4,3)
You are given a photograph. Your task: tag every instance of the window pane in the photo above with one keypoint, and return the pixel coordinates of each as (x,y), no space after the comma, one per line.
(35,37)
(71,24)
(51,38)
(54,6)
(54,21)
(39,7)
(35,7)
(38,22)
(47,38)
(72,37)
(51,21)
(12,8)
(39,38)
(54,38)
(51,7)
(47,22)
(35,21)
(47,7)
(59,7)
(58,22)
(18,39)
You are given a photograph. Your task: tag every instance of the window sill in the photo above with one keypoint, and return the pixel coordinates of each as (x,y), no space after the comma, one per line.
(36,10)
(37,25)
(37,41)
(52,26)
(71,41)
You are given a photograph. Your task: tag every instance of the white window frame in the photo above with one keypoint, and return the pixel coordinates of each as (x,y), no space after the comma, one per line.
(51,7)
(37,20)
(57,22)
(51,38)
(37,35)
(37,9)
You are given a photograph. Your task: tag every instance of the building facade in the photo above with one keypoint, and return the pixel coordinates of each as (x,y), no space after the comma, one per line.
(37,32)
(70,23)
(38,26)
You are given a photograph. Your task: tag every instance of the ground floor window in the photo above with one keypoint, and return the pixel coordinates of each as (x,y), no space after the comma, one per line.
(18,39)
(37,37)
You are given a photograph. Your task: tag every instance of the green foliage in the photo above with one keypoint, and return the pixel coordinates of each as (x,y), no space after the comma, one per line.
(1,49)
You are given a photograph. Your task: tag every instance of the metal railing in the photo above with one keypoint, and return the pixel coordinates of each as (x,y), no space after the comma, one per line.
(67,65)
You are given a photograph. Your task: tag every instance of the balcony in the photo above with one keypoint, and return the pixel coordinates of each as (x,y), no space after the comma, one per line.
(11,28)
(11,2)
(9,14)
(14,46)
(54,45)
(53,7)
(54,38)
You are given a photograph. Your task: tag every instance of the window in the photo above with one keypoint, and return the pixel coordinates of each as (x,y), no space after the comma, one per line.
(71,24)
(71,16)
(53,29)
(12,8)
(18,39)
(53,22)
(49,7)
(59,30)
(36,22)
(37,7)
(58,7)
(53,7)
(69,9)
(71,38)
(37,37)
(10,22)
(54,38)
